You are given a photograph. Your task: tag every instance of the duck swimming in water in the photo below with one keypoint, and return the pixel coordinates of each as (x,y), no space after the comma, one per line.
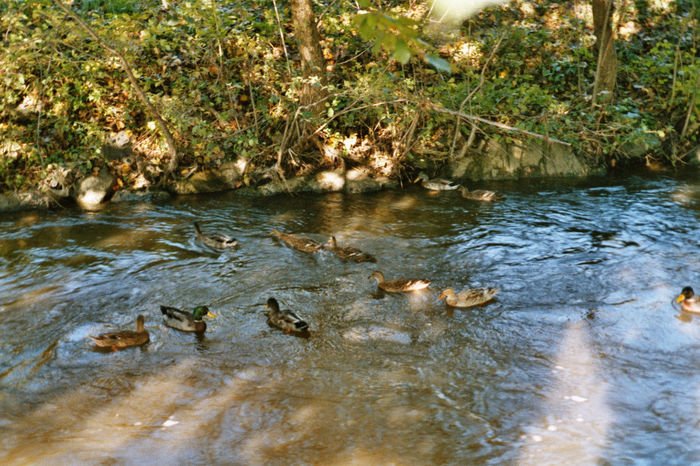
(121,339)
(689,301)
(215,240)
(483,195)
(185,320)
(398,285)
(468,298)
(348,252)
(300,243)
(435,184)
(285,320)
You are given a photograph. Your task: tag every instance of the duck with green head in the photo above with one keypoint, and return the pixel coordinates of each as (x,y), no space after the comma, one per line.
(185,320)
(689,301)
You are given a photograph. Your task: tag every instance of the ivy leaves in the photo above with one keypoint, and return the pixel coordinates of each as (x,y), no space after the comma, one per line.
(398,35)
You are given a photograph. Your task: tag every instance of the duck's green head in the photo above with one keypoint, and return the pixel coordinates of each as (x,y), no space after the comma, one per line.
(686,293)
(202,311)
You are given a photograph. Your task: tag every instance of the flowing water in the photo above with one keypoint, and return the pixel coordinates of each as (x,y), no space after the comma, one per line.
(581,358)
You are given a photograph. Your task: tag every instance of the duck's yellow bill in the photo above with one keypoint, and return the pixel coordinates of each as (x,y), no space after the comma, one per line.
(211,315)
(442,296)
(680,298)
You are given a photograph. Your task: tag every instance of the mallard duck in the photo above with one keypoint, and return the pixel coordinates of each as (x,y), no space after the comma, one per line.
(215,240)
(285,320)
(185,320)
(468,298)
(398,285)
(123,338)
(299,243)
(348,252)
(480,195)
(435,184)
(689,301)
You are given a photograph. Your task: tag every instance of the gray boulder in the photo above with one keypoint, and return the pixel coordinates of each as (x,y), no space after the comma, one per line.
(93,191)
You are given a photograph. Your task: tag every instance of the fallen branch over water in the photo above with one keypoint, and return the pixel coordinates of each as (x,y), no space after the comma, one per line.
(465,116)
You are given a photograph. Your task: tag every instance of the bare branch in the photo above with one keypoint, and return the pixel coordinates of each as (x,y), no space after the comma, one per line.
(174,158)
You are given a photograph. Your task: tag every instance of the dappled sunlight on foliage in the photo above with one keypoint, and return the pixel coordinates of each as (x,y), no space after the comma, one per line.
(226,78)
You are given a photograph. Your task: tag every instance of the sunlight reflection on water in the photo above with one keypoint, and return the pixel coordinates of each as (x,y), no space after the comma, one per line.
(580,358)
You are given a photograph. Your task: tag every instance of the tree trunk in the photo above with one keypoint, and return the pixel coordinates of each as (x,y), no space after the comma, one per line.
(313,66)
(606,70)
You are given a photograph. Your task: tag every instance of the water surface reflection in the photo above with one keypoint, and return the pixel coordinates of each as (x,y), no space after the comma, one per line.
(580,358)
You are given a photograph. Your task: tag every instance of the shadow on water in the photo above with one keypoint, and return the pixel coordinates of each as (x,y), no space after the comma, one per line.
(580,357)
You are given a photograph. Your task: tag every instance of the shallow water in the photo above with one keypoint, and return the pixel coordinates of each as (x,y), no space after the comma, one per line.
(581,357)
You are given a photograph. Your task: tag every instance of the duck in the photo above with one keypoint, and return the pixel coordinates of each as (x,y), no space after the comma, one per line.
(435,184)
(690,302)
(398,285)
(185,320)
(215,240)
(285,320)
(123,338)
(480,195)
(348,252)
(468,298)
(299,243)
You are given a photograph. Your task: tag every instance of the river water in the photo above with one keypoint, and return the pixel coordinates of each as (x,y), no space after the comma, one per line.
(581,358)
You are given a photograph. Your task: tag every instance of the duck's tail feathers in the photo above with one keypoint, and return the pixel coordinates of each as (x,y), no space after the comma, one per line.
(301,326)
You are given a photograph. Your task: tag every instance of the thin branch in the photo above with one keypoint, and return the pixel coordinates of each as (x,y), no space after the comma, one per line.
(496,124)
(691,107)
(482,79)
(284,45)
(174,158)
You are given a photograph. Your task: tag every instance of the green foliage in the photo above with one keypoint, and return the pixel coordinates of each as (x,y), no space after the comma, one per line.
(398,35)
(228,85)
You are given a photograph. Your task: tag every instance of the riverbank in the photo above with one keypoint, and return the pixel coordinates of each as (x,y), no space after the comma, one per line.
(95,191)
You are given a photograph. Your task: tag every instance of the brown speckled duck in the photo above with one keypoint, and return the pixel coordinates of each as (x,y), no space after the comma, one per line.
(689,301)
(215,240)
(299,243)
(123,338)
(348,252)
(398,285)
(468,298)
(483,195)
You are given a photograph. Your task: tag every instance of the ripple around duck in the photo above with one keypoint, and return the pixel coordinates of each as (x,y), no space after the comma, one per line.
(580,352)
